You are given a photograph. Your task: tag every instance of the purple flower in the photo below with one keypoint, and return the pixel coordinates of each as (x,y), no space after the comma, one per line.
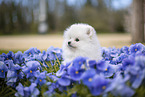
(3,69)
(88,76)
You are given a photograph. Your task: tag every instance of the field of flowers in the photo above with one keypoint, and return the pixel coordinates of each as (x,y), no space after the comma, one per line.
(121,72)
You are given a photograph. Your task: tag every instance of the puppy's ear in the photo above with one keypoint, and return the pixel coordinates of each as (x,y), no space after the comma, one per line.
(90,32)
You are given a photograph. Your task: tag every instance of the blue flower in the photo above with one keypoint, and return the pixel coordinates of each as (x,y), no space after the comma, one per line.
(100,84)
(14,73)
(102,65)
(64,81)
(79,61)
(3,56)
(114,52)
(110,70)
(52,77)
(31,52)
(75,73)
(92,63)
(12,66)
(62,71)
(51,55)
(44,55)
(10,55)
(128,62)
(136,47)
(37,57)
(58,53)
(51,89)
(31,69)
(105,53)
(125,49)
(140,61)
(118,69)
(121,57)
(136,77)
(41,78)
(119,88)
(20,90)
(137,72)
(88,76)
(3,69)
(19,58)
(11,77)
(30,91)
(114,61)
(54,53)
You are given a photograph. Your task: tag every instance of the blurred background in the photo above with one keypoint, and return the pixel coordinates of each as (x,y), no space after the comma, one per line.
(32,17)
(26,16)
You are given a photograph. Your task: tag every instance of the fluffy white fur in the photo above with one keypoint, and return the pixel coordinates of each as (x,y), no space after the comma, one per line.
(83,41)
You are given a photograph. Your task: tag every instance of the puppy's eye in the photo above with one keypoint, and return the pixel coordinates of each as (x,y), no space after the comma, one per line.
(77,40)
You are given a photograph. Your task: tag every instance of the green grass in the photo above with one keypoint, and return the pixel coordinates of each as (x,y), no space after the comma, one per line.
(6,51)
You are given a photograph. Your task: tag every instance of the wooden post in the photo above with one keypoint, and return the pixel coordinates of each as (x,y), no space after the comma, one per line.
(144,19)
(138,21)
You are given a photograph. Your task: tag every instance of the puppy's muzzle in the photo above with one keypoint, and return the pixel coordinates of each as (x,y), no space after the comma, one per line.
(70,45)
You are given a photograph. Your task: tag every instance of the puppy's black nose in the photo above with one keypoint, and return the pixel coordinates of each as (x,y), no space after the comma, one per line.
(69,42)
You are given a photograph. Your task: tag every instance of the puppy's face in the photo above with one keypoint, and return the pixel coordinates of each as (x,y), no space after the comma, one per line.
(77,36)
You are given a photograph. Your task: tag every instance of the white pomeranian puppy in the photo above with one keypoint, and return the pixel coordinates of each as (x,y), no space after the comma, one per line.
(81,40)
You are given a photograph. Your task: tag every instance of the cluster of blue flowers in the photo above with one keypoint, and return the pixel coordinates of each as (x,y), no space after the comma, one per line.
(32,73)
